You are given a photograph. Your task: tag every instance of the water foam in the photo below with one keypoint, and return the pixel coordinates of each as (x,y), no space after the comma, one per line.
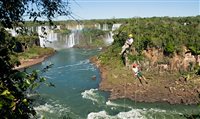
(93,95)
(44,108)
(83,62)
(90,94)
(32,95)
(86,69)
(51,109)
(132,114)
(101,114)
(110,103)
(150,113)
(157,110)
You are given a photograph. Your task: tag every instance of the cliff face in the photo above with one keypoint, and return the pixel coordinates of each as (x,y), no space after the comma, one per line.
(182,62)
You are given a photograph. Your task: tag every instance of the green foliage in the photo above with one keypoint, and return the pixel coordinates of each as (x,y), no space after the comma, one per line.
(11,82)
(14,84)
(133,58)
(120,38)
(169,48)
(7,43)
(197,70)
(90,32)
(34,52)
(192,116)
(14,103)
(13,11)
(110,57)
(169,34)
(63,31)
(28,40)
(98,43)
(194,50)
(93,37)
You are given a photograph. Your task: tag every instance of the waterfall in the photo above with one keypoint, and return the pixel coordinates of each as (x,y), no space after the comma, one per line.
(97,26)
(109,38)
(13,32)
(48,38)
(79,27)
(105,27)
(70,42)
(115,26)
(43,38)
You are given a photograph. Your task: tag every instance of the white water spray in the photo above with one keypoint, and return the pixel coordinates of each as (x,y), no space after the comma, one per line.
(48,38)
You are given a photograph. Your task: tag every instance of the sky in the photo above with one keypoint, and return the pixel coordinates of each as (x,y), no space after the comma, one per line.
(108,9)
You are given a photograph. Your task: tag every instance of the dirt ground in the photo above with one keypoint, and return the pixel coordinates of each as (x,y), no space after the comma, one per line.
(31,62)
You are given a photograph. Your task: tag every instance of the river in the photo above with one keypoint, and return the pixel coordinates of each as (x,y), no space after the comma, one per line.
(76,94)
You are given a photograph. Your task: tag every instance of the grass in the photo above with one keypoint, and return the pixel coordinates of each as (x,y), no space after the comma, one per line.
(35,52)
(117,72)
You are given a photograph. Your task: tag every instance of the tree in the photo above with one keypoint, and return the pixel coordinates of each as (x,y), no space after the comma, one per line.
(14,84)
(13,11)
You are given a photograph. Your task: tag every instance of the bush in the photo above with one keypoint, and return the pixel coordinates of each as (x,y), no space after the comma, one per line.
(169,49)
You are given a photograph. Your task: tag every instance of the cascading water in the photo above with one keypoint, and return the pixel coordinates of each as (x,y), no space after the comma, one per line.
(58,41)
(105,27)
(12,31)
(109,38)
(97,26)
(48,38)
(115,26)
(71,42)
(79,27)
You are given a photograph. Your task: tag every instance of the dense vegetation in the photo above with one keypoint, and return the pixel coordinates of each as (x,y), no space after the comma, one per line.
(14,84)
(63,31)
(167,34)
(91,37)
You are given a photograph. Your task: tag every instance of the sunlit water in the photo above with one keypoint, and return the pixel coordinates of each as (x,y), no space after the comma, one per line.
(76,94)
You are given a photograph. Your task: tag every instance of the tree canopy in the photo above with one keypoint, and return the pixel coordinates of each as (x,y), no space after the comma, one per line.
(162,32)
(13,12)
(14,84)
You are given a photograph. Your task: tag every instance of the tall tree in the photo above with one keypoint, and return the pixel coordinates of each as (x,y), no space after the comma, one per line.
(12,12)
(14,84)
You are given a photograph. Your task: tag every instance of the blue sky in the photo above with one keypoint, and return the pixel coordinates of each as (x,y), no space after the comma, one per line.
(107,9)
